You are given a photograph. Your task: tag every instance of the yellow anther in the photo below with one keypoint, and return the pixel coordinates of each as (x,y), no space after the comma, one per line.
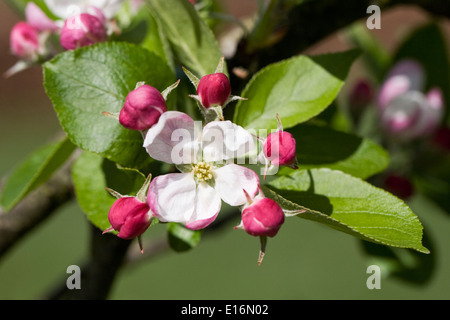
(202,171)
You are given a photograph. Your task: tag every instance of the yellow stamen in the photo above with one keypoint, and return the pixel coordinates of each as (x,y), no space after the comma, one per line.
(202,171)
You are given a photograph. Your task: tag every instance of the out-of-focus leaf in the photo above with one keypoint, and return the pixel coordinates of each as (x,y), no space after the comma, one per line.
(408,265)
(182,239)
(36,169)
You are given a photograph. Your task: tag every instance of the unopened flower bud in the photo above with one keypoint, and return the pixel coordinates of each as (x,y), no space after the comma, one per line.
(96,12)
(398,185)
(441,138)
(214,90)
(24,41)
(82,30)
(263,217)
(142,109)
(130,217)
(360,95)
(279,148)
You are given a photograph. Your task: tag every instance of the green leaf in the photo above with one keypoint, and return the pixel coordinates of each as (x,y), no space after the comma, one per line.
(86,82)
(376,57)
(323,147)
(193,43)
(297,89)
(182,239)
(91,175)
(36,169)
(350,205)
(408,265)
(143,30)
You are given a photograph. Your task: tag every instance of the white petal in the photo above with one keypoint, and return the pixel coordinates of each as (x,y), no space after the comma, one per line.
(67,8)
(109,7)
(208,204)
(172,197)
(174,139)
(38,19)
(412,108)
(231,180)
(404,76)
(224,140)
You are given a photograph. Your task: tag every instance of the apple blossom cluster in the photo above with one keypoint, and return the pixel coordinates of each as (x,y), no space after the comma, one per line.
(207,156)
(406,111)
(79,23)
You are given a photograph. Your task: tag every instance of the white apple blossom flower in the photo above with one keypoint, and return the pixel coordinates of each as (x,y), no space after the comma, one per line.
(66,8)
(406,111)
(194,196)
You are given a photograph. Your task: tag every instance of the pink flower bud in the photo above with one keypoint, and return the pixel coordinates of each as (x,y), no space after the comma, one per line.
(441,138)
(130,217)
(96,12)
(214,89)
(82,30)
(263,217)
(399,186)
(279,148)
(24,41)
(360,95)
(142,109)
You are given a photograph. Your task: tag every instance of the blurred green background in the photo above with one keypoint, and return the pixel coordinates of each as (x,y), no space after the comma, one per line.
(305,261)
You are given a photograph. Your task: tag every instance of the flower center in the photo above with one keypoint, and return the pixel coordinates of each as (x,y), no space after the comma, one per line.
(202,171)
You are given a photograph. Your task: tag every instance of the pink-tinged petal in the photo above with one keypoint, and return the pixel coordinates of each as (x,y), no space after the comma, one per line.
(412,70)
(224,140)
(231,181)
(435,98)
(174,139)
(171,197)
(38,19)
(410,116)
(207,207)
(406,75)
(402,118)
(392,88)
